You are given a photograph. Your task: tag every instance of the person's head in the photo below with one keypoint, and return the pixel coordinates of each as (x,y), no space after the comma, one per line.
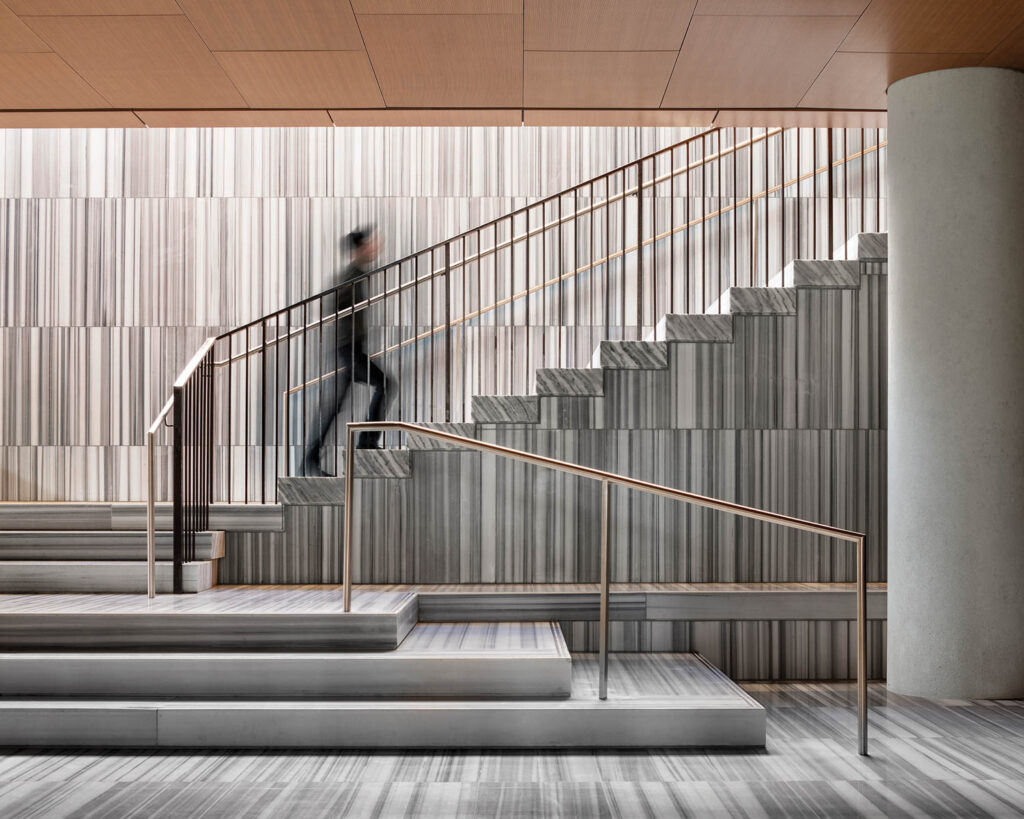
(362,244)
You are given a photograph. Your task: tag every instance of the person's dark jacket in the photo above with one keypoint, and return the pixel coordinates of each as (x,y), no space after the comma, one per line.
(350,329)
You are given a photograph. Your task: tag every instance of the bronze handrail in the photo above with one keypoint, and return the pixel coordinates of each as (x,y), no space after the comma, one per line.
(607,479)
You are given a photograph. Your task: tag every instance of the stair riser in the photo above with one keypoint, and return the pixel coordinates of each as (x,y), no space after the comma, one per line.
(232,517)
(100,546)
(100,578)
(351,725)
(292,675)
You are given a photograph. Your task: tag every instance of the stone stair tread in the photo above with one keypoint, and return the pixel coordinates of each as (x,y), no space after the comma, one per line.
(696,327)
(760,301)
(506,409)
(634,355)
(95,544)
(570,381)
(826,273)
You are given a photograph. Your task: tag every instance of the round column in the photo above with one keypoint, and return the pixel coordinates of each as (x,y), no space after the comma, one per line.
(956,384)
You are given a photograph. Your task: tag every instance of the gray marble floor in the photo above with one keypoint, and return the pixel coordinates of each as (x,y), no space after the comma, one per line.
(929,758)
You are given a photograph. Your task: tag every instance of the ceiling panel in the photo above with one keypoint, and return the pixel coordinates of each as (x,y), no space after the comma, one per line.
(606,25)
(934,25)
(800,118)
(287,25)
(69,119)
(43,81)
(152,62)
(15,35)
(755,62)
(621,117)
(596,79)
(234,119)
(303,79)
(438,6)
(429,117)
(1010,52)
(766,7)
(83,7)
(455,60)
(859,80)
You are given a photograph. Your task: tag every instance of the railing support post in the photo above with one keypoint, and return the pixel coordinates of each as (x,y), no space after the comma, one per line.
(605,587)
(862,648)
(346,547)
(150,517)
(179,489)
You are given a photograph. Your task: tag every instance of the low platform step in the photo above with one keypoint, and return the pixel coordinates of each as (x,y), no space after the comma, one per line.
(98,545)
(100,576)
(655,700)
(247,618)
(470,660)
(232,517)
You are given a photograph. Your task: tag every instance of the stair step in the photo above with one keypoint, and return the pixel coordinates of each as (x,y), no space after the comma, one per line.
(38,544)
(100,576)
(873,247)
(696,327)
(568,381)
(506,409)
(634,355)
(760,301)
(655,700)
(245,618)
(837,273)
(234,517)
(414,441)
(470,660)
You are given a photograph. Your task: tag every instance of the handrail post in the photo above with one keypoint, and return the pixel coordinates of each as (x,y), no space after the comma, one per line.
(605,587)
(150,518)
(346,547)
(179,489)
(862,648)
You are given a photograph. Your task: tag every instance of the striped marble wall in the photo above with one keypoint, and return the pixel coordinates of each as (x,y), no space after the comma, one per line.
(122,249)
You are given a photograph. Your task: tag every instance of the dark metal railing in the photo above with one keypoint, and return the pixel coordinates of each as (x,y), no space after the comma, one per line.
(540,287)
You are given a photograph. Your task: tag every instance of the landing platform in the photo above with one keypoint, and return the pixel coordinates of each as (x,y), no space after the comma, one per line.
(487,660)
(256,618)
(655,700)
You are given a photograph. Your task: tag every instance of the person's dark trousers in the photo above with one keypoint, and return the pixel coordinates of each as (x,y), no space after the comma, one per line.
(353,364)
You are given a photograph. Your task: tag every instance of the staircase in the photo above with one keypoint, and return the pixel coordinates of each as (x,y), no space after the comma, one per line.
(100,548)
(474,621)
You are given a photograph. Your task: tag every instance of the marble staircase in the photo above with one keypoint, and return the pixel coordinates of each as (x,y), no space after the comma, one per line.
(92,548)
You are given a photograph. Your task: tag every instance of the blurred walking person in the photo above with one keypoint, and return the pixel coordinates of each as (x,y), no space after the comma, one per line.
(346,358)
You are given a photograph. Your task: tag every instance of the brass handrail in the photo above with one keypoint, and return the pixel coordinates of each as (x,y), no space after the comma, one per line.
(607,479)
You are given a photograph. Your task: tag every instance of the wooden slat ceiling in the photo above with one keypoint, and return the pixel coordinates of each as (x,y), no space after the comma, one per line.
(165,63)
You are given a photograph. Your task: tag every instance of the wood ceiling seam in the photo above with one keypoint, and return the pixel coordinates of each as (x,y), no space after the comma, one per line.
(212,54)
(807,90)
(668,82)
(68,66)
(369,59)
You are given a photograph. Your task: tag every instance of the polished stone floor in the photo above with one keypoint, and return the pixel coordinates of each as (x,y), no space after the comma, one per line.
(928,758)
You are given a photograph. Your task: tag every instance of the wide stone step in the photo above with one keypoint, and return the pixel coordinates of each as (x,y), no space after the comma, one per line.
(469,660)
(245,618)
(655,700)
(98,545)
(233,517)
(100,576)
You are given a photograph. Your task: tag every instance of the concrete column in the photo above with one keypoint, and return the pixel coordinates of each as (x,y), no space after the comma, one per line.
(956,384)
